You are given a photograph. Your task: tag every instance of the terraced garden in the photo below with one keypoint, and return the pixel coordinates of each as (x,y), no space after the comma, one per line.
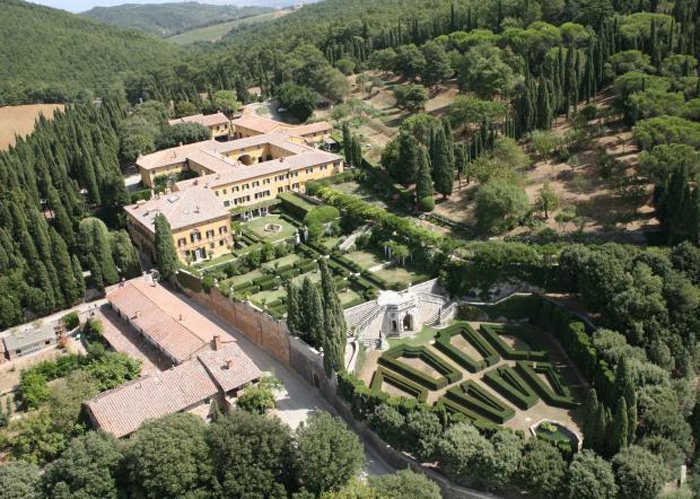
(267,256)
(491,374)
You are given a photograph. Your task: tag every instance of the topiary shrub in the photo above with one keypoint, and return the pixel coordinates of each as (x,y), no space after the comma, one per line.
(426,204)
(71,320)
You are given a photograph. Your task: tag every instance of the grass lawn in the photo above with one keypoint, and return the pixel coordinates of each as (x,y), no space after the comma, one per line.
(215,261)
(422,338)
(401,275)
(356,189)
(330,243)
(348,296)
(365,259)
(257,226)
(281,262)
(217,31)
(272,294)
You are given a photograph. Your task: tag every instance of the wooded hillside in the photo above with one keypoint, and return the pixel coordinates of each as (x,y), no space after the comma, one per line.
(48,54)
(171,18)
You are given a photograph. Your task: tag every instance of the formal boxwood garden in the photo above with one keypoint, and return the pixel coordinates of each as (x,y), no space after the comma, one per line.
(512,387)
(556,395)
(443,342)
(392,359)
(476,398)
(383,375)
(492,334)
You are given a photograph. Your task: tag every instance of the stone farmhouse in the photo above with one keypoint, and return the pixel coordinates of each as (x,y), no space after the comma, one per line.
(206,367)
(217,123)
(243,173)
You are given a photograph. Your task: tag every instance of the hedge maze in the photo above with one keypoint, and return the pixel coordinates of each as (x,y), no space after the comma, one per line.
(443,342)
(493,335)
(383,375)
(506,381)
(392,359)
(521,384)
(557,394)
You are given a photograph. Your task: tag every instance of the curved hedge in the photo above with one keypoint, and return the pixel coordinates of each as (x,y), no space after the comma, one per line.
(506,381)
(556,395)
(383,375)
(475,398)
(455,408)
(443,343)
(391,359)
(492,333)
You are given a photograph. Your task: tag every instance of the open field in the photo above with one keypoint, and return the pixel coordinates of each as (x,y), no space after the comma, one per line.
(20,120)
(217,31)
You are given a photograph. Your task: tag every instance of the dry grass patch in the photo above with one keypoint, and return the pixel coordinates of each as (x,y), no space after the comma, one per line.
(20,120)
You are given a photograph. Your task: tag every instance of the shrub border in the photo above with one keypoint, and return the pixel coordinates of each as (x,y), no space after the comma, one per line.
(475,398)
(558,395)
(491,333)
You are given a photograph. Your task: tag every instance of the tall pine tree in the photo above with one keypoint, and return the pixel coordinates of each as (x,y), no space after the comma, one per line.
(166,254)
(335,338)
(442,168)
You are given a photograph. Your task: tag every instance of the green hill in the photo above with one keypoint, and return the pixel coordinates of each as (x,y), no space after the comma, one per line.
(51,54)
(171,18)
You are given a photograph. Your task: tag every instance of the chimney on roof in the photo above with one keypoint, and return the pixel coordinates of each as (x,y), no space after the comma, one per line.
(229,364)
(136,314)
(216,342)
(179,317)
(196,209)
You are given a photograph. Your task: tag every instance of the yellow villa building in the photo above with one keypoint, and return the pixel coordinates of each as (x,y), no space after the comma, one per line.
(218,124)
(241,173)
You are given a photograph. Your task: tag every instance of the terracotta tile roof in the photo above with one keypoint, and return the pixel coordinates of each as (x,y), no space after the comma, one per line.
(321,126)
(182,209)
(229,366)
(307,159)
(123,410)
(202,119)
(259,124)
(173,155)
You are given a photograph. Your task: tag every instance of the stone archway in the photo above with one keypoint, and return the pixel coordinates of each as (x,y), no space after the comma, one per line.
(407,322)
(246,159)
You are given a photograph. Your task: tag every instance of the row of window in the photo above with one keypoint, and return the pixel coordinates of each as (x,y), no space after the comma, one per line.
(196,236)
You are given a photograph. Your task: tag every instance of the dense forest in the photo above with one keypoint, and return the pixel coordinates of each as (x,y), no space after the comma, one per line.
(171,18)
(49,55)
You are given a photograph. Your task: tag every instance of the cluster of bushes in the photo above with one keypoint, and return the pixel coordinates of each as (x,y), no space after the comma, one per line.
(506,381)
(392,359)
(492,334)
(443,343)
(295,205)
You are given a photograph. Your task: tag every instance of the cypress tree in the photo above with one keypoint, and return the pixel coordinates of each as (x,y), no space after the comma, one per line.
(591,421)
(314,309)
(449,137)
(461,162)
(126,257)
(335,338)
(424,184)
(64,268)
(166,254)
(96,279)
(347,144)
(292,308)
(102,250)
(620,429)
(601,430)
(406,167)
(442,168)
(631,403)
(544,107)
(357,151)
(78,278)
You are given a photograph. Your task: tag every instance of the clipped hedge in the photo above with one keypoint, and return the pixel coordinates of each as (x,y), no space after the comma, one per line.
(443,343)
(492,334)
(391,359)
(321,215)
(475,398)
(556,395)
(453,407)
(506,381)
(295,205)
(383,375)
